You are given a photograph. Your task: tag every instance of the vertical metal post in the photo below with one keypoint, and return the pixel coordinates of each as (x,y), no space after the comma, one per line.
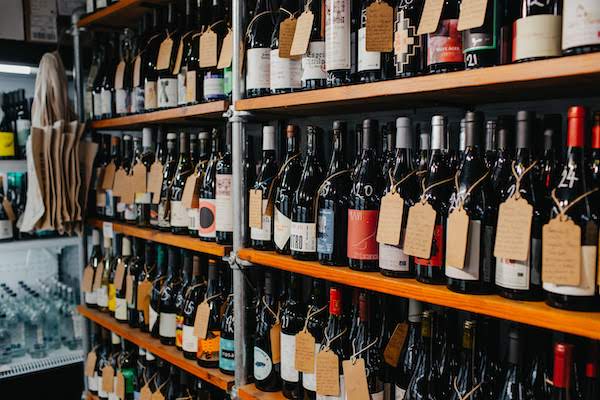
(78,71)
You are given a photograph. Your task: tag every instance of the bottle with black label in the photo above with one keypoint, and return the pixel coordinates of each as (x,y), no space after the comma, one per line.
(580,27)
(179,215)
(541,20)
(444,46)
(167,79)
(314,75)
(168,292)
(258,53)
(224,195)
(482,45)
(409,55)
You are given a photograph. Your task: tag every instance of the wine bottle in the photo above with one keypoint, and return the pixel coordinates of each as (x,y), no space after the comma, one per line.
(124,86)
(292,321)
(103,360)
(226,344)
(591,389)
(315,326)
(285,73)
(135,267)
(133,154)
(114,262)
(160,157)
(489,155)
(572,184)
(403,180)
(444,46)
(543,20)
(138,67)
(214,79)
(193,296)
(409,48)
(540,375)
(126,155)
(446,364)
(95,335)
(208,348)
(186,277)
(143,200)
(249,178)
(169,169)
(314,75)
(223,197)
(419,386)
(179,215)
(515,279)
(258,53)
(432,270)
(147,274)
(261,238)
(550,163)
(186,43)
(207,225)
(472,193)
(155,294)
(101,162)
(370,63)
(594,164)
(363,210)
(107,91)
(110,210)
(303,228)
(149,60)
(388,148)
(481,45)
(266,372)
(127,362)
(336,332)
(120,287)
(580,27)
(409,355)
(286,187)
(194,80)
(204,155)
(166,85)
(95,262)
(561,377)
(502,168)
(102,290)
(167,310)
(425,149)
(515,386)
(466,379)
(338,44)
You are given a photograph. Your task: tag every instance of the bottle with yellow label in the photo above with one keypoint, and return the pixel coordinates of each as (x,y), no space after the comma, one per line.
(7,134)
(112,290)
(208,347)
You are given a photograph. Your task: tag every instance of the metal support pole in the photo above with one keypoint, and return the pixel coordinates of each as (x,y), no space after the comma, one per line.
(78,71)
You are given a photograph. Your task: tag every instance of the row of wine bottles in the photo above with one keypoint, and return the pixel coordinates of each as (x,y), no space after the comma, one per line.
(410,350)
(159,290)
(130,369)
(15,125)
(444,214)
(191,193)
(417,37)
(12,206)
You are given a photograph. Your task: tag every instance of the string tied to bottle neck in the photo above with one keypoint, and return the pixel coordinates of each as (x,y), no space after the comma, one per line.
(276,178)
(158,389)
(354,356)
(273,313)
(395,185)
(311,314)
(214,296)
(322,186)
(307,5)
(329,340)
(192,287)
(148,381)
(563,210)
(200,165)
(428,188)
(188,397)
(461,199)
(253,20)
(468,394)
(519,177)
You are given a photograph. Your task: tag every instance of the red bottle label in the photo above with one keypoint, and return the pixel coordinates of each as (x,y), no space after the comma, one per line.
(445,44)
(437,253)
(362,234)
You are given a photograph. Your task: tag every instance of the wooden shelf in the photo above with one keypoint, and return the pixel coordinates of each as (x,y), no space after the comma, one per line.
(178,115)
(120,14)
(182,241)
(250,392)
(167,353)
(531,313)
(559,77)
(90,396)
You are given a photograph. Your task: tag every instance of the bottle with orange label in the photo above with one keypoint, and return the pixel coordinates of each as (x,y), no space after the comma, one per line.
(208,347)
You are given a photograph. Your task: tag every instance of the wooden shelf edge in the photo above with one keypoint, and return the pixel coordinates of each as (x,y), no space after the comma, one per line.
(90,396)
(213,109)
(181,241)
(531,313)
(250,392)
(167,353)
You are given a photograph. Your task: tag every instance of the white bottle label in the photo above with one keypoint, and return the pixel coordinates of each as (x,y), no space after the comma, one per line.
(181,86)
(89,6)
(263,365)
(313,62)
(97,99)
(102,296)
(470,272)
(90,297)
(309,381)
(281,230)
(213,86)
(93,382)
(153,318)
(264,233)
(377,396)
(587,285)
(392,258)
(120,309)
(194,216)
(122,101)
(367,60)
(537,36)
(130,212)
(258,70)
(581,23)
(285,72)
(166,327)
(400,393)
(101,393)
(224,203)
(101,3)
(289,372)
(179,215)
(106,97)
(337,35)
(167,92)
(120,207)
(303,237)
(189,341)
(513,274)
(6,229)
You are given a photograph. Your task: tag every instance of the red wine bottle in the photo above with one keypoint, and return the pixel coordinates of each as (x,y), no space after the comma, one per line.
(315,325)
(363,209)
(314,75)
(409,355)
(561,377)
(179,215)
(466,378)
(490,143)
(515,386)
(444,46)
(168,293)
(591,386)
(258,53)
(337,331)
(293,312)
(594,165)
(482,45)
(573,183)
(303,229)
(420,386)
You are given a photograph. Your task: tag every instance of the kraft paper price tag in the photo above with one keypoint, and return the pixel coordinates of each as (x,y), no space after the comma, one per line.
(109,176)
(302,33)
(390,219)
(432,10)
(120,386)
(90,363)
(355,379)
(129,288)
(128,191)
(164,54)
(208,49)
(189,198)
(179,57)
(190,86)
(275,336)
(155,179)
(107,229)
(513,229)
(305,352)
(380,27)
(157,396)
(419,230)
(120,184)
(391,354)
(146,393)
(143,298)
(561,252)
(328,373)
(119,275)
(88,279)
(201,320)
(456,238)
(10,213)
(137,68)
(472,14)
(226,53)
(287,29)
(98,275)
(255,208)
(139,178)
(119,74)
(108,374)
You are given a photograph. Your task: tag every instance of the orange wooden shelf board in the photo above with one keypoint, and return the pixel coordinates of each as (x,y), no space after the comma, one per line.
(120,14)
(531,313)
(167,353)
(250,392)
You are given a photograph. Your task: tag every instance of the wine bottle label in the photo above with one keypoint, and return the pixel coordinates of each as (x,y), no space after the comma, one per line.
(120,207)
(407,44)
(150,100)
(106,97)
(228,81)
(194,215)
(112,297)
(227,355)
(77,326)
(130,212)
(23,130)
(102,296)
(263,233)
(281,230)
(167,92)
(179,215)
(122,101)
(342,395)
(6,229)
(262,364)
(101,393)
(309,381)
(470,272)
(163,222)
(513,274)
(89,8)
(285,73)
(392,258)
(137,100)
(90,297)
(289,372)
(97,100)
(437,249)
(587,285)
(120,309)
(190,87)
(213,86)
(143,198)
(101,3)
(581,23)
(362,233)
(546,29)
(258,70)
(338,55)
(166,325)
(207,209)
(153,318)
(93,382)
(367,60)
(224,203)
(313,62)
(110,204)
(325,231)
(181,86)
(179,330)
(303,237)
(377,395)
(445,44)
(189,341)
(208,349)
